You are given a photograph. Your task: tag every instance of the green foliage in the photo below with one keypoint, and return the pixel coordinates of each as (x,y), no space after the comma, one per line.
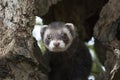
(39,23)
(42,47)
(96,66)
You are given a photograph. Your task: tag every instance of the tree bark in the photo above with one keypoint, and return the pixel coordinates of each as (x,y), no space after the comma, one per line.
(107,31)
(17,60)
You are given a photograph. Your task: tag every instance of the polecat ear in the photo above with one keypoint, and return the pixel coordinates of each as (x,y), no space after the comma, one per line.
(71,28)
(42,30)
(70,25)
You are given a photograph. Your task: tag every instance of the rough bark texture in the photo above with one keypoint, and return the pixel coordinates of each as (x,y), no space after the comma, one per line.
(17,61)
(107,30)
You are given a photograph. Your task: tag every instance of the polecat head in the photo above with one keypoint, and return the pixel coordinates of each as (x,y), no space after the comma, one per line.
(58,36)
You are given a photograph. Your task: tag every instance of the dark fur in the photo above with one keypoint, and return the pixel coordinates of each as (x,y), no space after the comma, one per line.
(72,64)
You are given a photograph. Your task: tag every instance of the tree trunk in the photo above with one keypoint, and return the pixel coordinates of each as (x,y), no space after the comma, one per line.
(17,61)
(107,31)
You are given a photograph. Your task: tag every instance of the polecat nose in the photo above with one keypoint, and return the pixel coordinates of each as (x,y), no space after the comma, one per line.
(56,44)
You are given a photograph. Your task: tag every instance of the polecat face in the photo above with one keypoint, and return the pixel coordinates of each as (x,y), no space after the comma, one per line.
(58,36)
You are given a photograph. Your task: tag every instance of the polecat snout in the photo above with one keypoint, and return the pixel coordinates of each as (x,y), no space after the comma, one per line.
(58,36)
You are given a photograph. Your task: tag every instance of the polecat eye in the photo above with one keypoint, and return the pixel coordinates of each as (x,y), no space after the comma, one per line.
(63,35)
(49,36)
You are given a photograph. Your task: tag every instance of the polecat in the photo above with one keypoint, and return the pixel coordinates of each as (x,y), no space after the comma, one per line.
(70,59)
